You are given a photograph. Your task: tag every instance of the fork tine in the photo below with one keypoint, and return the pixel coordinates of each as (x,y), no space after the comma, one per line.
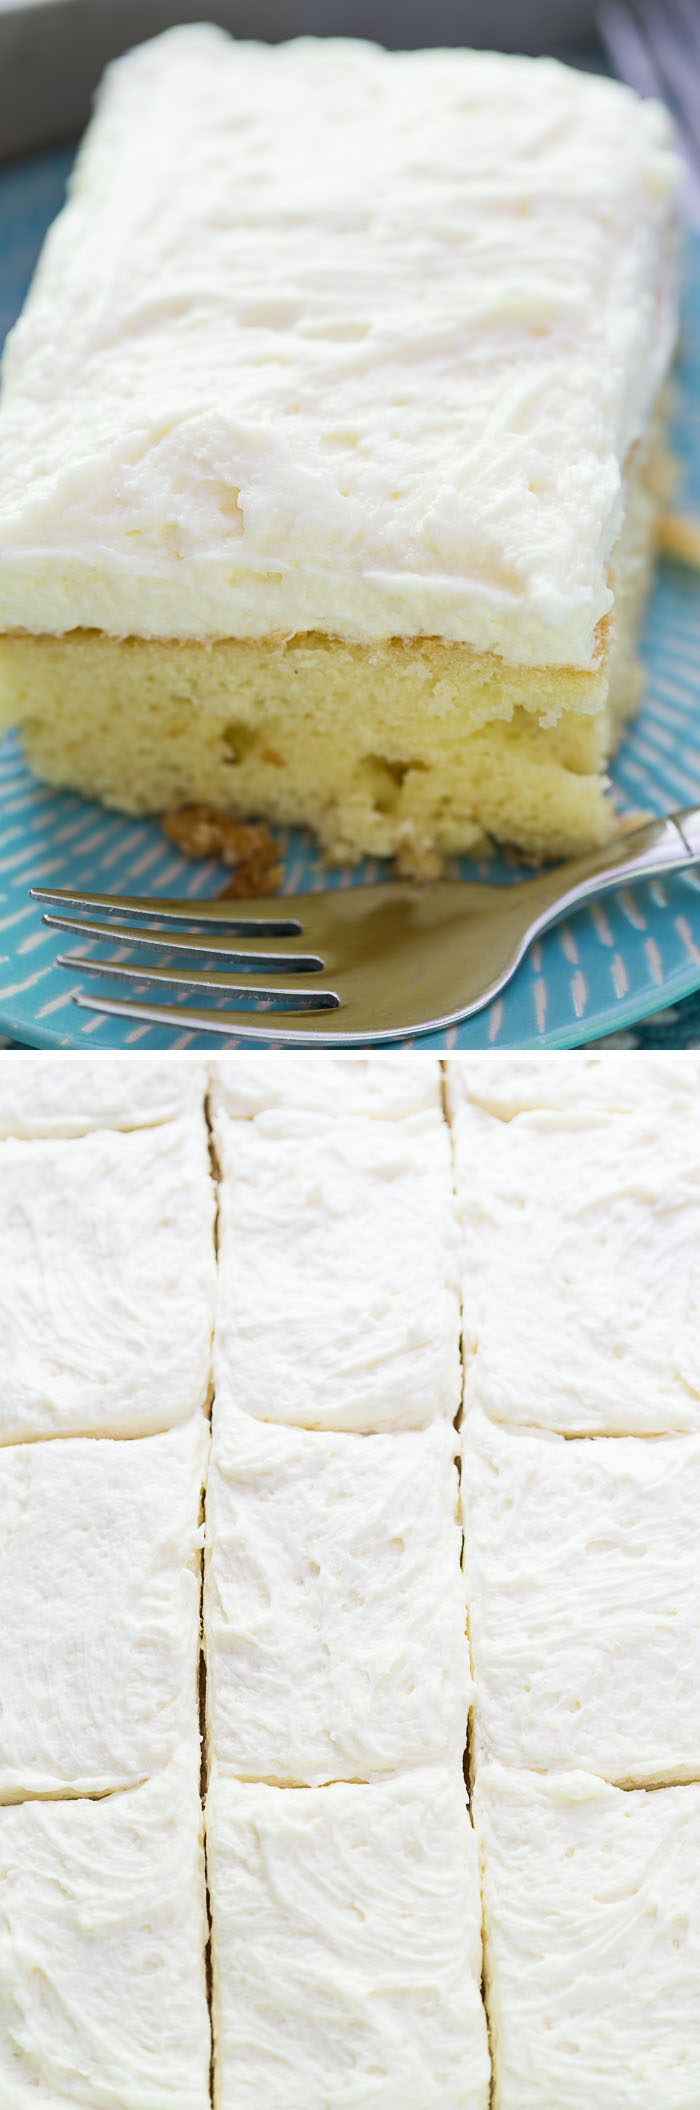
(239,915)
(649,48)
(668,47)
(246,1025)
(190,941)
(200,978)
(626,47)
(687,14)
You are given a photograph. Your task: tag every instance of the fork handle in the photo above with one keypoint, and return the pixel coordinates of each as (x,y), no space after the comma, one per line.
(667,844)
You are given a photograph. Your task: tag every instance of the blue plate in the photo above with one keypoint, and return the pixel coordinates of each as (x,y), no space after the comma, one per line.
(595,974)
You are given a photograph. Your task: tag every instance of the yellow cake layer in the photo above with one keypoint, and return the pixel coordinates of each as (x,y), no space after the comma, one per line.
(402,748)
(288,733)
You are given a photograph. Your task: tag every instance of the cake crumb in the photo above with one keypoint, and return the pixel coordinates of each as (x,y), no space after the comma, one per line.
(248,846)
(678,536)
(251,879)
(412,863)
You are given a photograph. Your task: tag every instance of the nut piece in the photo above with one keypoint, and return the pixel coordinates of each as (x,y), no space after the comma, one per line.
(248,846)
(678,535)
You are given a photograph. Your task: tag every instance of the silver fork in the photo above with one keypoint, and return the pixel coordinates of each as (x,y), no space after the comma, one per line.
(654,45)
(396,959)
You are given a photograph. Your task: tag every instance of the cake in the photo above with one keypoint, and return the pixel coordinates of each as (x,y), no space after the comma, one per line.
(107,1276)
(338,1837)
(338,1276)
(331,441)
(102,1935)
(334,1605)
(45,1098)
(358,1980)
(296,1091)
(429,1831)
(597,1329)
(583,1586)
(99,1609)
(505,1085)
(592,1936)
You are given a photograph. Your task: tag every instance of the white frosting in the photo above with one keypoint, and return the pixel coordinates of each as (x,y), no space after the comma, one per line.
(67,1095)
(507,1085)
(338,1297)
(99,1609)
(107,1277)
(102,1937)
(331,338)
(592,1942)
(581,1302)
(292,1092)
(334,1603)
(353,1916)
(583,1584)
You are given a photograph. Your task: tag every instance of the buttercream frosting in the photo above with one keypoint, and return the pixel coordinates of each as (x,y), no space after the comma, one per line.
(99,1609)
(295,1091)
(338,1276)
(507,1085)
(102,1940)
(592,1941)
(329,338)
(107,1276)
(581,1257)
(583,1586)
(353,1915)
(334,1603)
(67,1095)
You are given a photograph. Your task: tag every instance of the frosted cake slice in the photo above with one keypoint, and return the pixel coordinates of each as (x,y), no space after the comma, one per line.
(592,1941)
(346,1946)
(102,1979)
(334,1614)
(583,1587)
(307,1092)
(581,1261)
(338,1276)
(107,1276)
(99,1609)
(68,1095)
(505,1085)
(330,440)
